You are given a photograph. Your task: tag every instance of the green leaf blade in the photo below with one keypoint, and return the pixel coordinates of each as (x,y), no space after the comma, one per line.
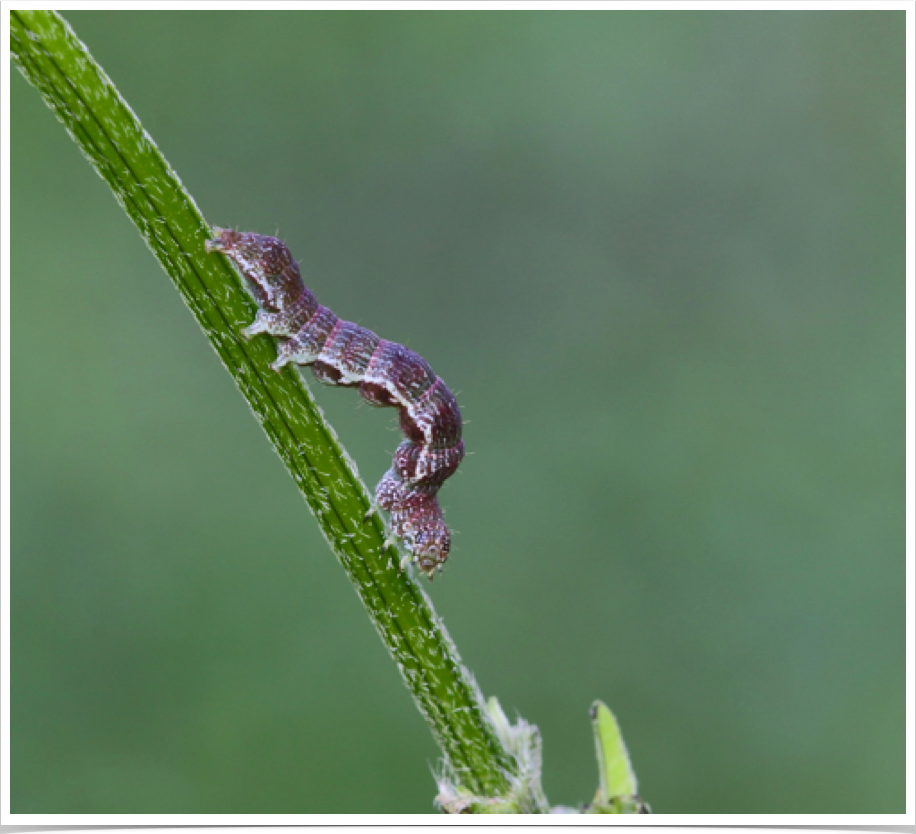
(615,773)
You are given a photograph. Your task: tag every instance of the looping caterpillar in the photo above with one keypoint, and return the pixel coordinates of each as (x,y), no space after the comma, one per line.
(386,373)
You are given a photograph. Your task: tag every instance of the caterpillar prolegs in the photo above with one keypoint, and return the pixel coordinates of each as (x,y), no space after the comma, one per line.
(386,373)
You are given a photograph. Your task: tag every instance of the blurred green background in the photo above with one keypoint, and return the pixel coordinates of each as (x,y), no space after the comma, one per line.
(659,256)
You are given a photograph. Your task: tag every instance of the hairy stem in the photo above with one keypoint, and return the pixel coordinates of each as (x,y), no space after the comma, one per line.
(107,131)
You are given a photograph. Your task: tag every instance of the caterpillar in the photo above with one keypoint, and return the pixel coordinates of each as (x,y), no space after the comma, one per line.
(386,374)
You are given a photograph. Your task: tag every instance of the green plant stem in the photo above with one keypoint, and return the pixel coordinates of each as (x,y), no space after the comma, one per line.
(104,127)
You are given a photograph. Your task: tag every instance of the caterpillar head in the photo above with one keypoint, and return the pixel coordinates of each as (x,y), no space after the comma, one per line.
(429,543)
(269,269)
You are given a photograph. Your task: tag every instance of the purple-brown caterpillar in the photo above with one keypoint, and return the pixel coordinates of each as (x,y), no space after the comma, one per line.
(387,374)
